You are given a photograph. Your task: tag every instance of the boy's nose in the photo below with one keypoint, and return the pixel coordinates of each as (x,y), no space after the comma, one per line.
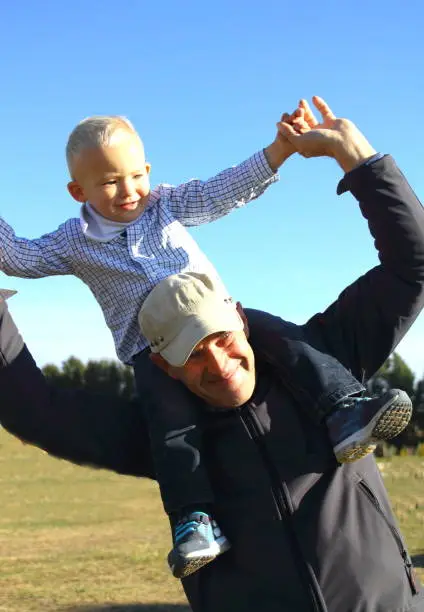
(127,188)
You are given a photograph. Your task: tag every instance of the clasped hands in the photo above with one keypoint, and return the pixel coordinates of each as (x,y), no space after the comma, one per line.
(340,139)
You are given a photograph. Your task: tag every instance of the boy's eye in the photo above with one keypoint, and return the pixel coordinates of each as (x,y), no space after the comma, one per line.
(137,176)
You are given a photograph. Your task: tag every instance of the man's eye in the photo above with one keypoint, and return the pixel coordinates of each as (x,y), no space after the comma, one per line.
(137,176)
(226,338)
(111,182)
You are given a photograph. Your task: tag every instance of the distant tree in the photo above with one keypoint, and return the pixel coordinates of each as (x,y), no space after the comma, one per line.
(53,373)
(128,383)
(396,373)
(419,403)
(104,376)
(377,385)
(73,373)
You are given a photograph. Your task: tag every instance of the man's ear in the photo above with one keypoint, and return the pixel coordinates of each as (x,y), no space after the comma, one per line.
(162,364)
(76,191)
(148,167)
(243,317)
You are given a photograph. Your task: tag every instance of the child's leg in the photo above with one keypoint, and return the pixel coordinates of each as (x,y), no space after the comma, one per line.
(174,416)
(327,390)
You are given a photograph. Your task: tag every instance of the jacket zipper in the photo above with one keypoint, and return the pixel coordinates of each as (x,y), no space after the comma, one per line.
(396,536)
(283,505)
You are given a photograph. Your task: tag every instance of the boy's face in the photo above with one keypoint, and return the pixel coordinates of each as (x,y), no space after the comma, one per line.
(114,179)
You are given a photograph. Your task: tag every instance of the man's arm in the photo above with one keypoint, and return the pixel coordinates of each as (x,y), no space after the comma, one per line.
(45,256)
(81,427)
(373,314)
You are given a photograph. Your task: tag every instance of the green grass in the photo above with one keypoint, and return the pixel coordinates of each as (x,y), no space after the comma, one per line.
(404,479)
(81,540)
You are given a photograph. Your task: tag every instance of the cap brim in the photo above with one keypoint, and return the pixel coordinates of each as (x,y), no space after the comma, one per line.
(197,328)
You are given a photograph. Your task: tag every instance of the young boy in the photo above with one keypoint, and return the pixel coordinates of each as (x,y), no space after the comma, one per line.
(127,239)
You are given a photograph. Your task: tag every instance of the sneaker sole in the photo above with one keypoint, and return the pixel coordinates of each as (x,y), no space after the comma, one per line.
(184,566)
(190,566)
(388,422)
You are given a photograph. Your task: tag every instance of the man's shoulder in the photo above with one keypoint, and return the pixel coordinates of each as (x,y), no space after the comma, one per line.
(271,336)
(265,322)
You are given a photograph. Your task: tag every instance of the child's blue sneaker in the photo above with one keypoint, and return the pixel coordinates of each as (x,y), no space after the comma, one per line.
(358,423)
(197,541)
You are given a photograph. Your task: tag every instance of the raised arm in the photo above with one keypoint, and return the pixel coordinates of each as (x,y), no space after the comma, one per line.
(45,256)
(374,313)
(197,202)
(363,326)
(81,427)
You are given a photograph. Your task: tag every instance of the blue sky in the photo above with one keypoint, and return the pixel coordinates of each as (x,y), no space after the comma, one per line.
(204,83)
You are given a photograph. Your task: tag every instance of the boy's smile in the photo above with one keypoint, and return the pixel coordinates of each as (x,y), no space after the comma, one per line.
(114,178)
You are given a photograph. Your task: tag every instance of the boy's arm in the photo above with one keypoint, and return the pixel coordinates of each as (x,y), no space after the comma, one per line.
(198,202)
(45,256)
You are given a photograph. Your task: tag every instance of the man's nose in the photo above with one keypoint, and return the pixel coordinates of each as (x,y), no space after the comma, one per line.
(217,360)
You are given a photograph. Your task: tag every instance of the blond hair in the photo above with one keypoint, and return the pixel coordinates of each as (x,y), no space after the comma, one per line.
(96,131)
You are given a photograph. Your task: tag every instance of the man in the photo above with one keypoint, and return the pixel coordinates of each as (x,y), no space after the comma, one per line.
(306,533)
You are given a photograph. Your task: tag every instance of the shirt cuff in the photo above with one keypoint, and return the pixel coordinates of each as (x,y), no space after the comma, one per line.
(260,167)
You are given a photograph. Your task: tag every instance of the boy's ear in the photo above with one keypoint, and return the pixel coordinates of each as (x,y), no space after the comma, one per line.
(76,191)
(148,167)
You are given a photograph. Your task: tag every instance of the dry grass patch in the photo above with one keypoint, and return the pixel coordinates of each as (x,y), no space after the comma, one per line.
(81,540)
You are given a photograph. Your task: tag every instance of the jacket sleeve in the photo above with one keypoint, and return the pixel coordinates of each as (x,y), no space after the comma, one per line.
(81,427)
(370,317)
(197,202)
(45,256)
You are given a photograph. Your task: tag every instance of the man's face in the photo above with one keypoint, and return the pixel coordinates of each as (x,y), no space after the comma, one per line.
(114,179)
(220,370)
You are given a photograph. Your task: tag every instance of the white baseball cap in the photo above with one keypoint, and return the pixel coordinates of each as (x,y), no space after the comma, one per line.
(182,310)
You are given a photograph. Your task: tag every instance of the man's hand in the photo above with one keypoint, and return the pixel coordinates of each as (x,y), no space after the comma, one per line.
(337,138)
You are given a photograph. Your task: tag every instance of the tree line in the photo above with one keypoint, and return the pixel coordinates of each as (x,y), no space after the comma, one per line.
(396,374)
(116,380)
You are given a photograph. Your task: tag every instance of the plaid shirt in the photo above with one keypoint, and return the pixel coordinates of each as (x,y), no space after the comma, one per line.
(121,273)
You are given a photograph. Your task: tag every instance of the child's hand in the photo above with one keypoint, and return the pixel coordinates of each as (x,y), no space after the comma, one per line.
(282,148)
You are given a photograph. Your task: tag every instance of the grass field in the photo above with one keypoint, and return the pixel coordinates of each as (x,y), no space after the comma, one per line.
(80,540)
